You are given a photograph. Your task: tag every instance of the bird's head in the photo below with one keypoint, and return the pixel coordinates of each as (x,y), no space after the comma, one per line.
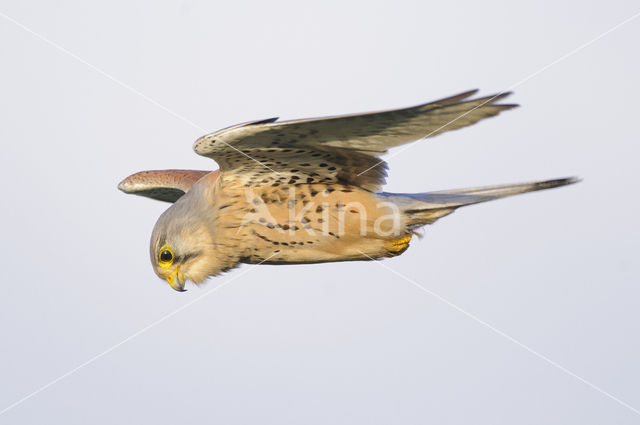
(181,252)
(182,246)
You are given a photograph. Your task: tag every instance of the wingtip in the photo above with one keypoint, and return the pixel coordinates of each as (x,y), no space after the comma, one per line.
(124,185)
(565,181)
(494,99)
(499,96)
(130,184)
(573,180)
(570,180)
(509,105)
(488,100)
(469,92)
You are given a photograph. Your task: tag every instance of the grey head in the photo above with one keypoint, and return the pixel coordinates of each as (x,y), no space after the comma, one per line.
(182,242)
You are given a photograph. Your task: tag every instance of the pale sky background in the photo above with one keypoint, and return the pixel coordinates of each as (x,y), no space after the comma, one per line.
(342,343)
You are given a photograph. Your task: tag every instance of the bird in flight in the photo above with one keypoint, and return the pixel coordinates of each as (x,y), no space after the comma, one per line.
(305,191)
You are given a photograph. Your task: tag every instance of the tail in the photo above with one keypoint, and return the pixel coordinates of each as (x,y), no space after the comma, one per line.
(425,208)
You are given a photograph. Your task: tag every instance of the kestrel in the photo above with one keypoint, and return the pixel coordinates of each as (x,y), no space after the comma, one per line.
(305,191)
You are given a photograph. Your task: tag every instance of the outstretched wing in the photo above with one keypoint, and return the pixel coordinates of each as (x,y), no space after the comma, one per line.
(163,185)
(342,149)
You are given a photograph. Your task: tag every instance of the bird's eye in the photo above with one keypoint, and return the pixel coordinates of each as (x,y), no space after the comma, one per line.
(165,258)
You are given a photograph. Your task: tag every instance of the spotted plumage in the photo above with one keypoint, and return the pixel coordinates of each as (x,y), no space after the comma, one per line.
(305,191)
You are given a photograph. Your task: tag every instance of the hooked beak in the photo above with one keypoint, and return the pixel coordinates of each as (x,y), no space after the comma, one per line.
(176,280)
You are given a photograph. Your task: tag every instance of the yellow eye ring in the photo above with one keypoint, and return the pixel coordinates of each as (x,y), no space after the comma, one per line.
(165,257)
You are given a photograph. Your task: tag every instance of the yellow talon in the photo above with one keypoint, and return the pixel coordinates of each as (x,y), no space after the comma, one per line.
(403,241)
(399,246)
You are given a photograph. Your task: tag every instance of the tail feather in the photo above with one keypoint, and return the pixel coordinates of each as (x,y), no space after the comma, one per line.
(425,208)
